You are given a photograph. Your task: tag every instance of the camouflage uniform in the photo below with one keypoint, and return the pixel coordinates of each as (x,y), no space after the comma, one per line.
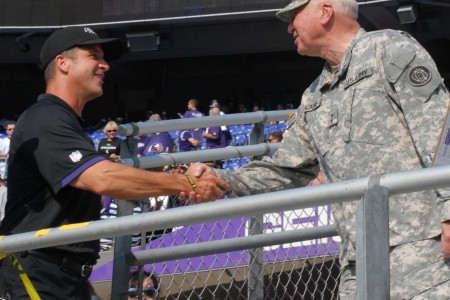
(381,111)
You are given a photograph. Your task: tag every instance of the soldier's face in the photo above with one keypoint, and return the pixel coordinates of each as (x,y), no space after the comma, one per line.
(305,28)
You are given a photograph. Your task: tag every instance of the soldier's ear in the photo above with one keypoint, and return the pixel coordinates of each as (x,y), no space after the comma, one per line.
(326,13)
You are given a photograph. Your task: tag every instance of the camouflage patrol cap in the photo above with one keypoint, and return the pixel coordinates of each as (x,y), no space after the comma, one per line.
(287,13)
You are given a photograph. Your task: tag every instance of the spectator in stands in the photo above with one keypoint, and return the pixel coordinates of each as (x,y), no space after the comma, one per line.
(216,137)
(213,135)
(378,107)
(275,137)
(186,142)
(160,142)
(193,112)
(4,150)
(109,146)
(215,104)
(56,177)
(142,142)
(149,286)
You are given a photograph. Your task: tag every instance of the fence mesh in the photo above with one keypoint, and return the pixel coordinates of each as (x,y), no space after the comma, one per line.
(300,270)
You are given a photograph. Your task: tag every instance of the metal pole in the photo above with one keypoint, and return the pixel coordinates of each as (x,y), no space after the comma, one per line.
(255,261)
(152,256)
(311,196)
(189,123)
(122,249)
(372,243)
(147,162)
(257,134)
(122,244)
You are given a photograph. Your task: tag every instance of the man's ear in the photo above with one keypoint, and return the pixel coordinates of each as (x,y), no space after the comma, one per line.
(327,12)
(62,62)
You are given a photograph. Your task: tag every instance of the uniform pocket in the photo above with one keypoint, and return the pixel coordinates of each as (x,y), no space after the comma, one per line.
(366,117)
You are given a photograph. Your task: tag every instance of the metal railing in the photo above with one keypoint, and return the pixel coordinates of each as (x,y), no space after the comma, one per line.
(396,183)
(295,199)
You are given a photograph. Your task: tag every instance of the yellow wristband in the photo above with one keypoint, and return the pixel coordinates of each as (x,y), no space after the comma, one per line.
(192,183)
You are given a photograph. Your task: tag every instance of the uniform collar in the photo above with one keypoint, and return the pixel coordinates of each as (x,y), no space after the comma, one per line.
(330,78)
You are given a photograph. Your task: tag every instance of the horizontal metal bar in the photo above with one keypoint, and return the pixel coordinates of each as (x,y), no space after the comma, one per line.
(167,159)
(189,123)
(221,246)
(372,2)
(311,196)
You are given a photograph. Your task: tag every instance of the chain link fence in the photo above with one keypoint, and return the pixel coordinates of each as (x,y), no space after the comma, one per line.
(299,270)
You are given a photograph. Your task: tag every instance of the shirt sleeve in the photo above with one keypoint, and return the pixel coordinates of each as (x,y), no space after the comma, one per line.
(416,86)
(64,153)
(293,165)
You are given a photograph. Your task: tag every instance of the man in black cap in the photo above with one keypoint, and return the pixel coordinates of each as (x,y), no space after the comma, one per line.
(56,175)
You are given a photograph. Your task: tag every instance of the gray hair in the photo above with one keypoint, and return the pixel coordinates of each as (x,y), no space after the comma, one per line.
(110,125)
(348,8)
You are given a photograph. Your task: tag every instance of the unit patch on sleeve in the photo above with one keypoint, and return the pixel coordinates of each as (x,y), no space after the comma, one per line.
(419,76)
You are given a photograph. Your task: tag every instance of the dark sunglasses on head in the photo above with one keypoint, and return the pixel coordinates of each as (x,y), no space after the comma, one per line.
(133,292)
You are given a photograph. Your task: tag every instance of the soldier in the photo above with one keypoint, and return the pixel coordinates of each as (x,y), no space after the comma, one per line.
(377,107)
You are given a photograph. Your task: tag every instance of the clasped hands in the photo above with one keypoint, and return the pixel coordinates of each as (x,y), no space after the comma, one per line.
(210,187)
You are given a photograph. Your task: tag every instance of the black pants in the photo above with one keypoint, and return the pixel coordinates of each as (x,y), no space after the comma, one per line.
(50,280)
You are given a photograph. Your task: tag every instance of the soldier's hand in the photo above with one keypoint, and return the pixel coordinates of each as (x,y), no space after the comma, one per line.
(209,186)
(198,170)
(445,239)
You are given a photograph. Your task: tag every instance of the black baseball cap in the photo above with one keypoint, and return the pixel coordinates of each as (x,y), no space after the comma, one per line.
(69,37)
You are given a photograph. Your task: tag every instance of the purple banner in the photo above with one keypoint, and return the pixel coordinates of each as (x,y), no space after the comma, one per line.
(275,222)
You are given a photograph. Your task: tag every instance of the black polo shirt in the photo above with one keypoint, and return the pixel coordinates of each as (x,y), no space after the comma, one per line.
(48,150)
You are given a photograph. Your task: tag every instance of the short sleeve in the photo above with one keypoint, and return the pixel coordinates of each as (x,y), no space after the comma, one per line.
(62,151)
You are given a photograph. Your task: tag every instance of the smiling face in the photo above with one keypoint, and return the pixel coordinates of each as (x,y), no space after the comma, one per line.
(87,70)
(305,28)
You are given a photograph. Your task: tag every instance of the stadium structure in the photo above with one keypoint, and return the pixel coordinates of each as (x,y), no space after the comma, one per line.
(234,51)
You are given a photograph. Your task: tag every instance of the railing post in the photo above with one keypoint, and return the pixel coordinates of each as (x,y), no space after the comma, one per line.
(255,261)
(122,244)
(372,243)
(257,134)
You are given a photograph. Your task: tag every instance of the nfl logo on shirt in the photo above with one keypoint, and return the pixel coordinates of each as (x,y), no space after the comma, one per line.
(76,156)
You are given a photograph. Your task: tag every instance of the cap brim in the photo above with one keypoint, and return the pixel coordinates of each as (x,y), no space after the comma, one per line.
(287,13)
(112,48)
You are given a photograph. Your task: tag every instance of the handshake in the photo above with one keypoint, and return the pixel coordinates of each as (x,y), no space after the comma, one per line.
(205,186)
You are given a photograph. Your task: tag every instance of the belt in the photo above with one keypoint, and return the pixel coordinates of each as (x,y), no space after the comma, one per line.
(66,262)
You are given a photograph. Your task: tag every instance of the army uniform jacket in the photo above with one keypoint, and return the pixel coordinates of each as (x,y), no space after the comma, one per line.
(380,112)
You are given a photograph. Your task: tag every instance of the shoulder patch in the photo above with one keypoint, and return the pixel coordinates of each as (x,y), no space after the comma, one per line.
(419,75)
